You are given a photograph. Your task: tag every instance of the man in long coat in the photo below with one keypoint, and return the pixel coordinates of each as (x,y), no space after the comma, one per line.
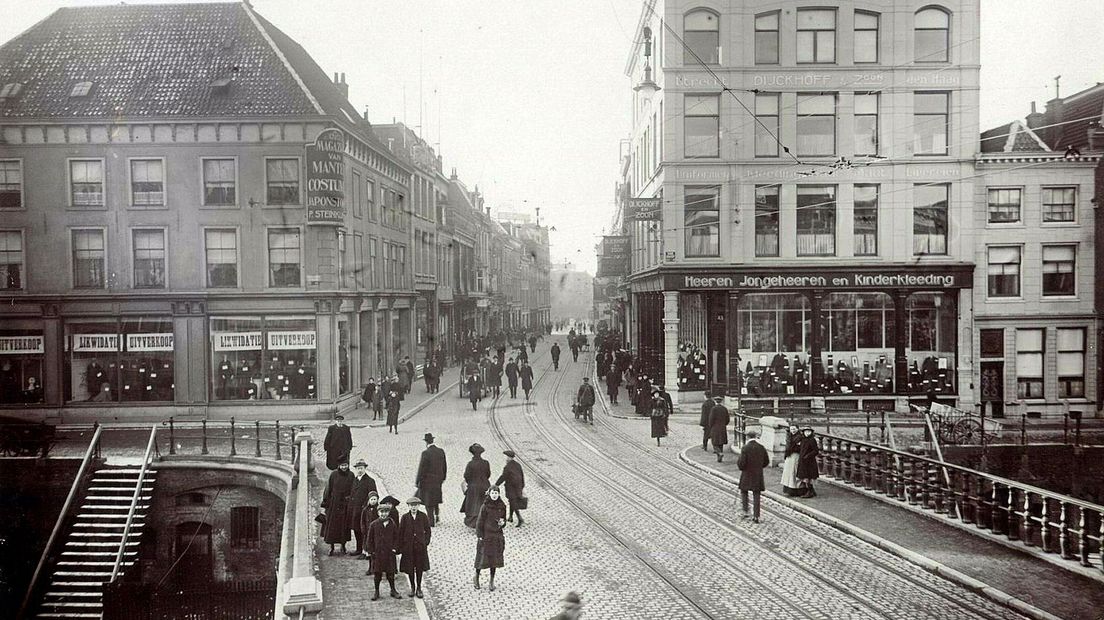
(512,377)
(753,460)
(585,399)
(719,418)
(555,350)
(432,470)
(474,386)
(613,384)
(514,479)
(414,537)
(338,443)
(335,500)
(494,377)
(526,375)
(704,419)
(363,485)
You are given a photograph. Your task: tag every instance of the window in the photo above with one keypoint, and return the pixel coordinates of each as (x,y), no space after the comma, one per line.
(282,181)
(342,256)
(220,182)
(930,123)
(1004,271)
(1071,362)
(283,257)
(866,220)
(1029,363)
(11,260)
(929,219)
(357,193)
(816,220)
(11,184)
(933,28)
(703,218)
(149,258)
(88,258)
(766,39)
(245,527)
(816,124)
(866,37)
(992,343)
(147,183)
(701,38)
(1004,206)
(766,127)
(866,124)
(766,220)
(86,181)
(702,122)
(1059,262)
(11,90)
(81,89)
(370,199)
(373,270)
(1058,203)
(816,35)
(221,247)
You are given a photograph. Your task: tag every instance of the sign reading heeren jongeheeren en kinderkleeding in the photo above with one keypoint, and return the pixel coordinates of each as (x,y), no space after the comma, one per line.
(840,279)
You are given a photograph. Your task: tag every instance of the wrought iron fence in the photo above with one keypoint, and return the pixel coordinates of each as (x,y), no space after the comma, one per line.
(257,439)
(229,600)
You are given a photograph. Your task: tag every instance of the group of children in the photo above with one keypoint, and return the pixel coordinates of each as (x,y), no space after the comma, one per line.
(385,396)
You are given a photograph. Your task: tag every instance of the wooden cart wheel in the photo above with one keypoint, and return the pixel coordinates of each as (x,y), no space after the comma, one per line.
(966,431)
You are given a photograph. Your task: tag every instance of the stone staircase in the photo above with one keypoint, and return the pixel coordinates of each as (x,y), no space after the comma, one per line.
(88,555)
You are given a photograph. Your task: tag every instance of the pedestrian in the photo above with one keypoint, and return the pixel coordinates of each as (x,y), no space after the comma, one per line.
(403,375)
(378,399)
(477,478)
(658,415)
(427,375)
(753,460)
(807,468)
(526,375)
(572,607)
(613,384)
(533,343)
(338,443)
(474,386)
(494,378)
(368,513)
(363,484)
(513,480)
(719,417)
(574,343)
(369,393)
(409,366)
(644,396)
(383,540)
(555,350)
(490,543)
(432,470)
(790,485)
(703,420)
(414,537)
(585,399)
(512,377)
(661,392)
(394,400)
(335,501)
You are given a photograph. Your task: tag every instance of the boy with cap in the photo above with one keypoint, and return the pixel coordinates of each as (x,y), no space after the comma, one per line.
(414,537)
(383,539)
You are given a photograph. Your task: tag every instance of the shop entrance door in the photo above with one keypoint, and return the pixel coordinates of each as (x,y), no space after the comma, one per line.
(992,387)
(717,309)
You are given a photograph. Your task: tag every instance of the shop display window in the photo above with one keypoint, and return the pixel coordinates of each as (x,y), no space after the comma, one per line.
(775,334)
(263,358)
(21,366)
(932,345)
(857,343)
(128,360)
(693,338)
(344,354)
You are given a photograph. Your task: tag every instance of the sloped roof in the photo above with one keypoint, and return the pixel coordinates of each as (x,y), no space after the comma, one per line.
(1083,105)
(1015,137)
(162,61)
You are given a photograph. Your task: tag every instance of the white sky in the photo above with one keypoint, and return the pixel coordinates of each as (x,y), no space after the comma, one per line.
(529,101)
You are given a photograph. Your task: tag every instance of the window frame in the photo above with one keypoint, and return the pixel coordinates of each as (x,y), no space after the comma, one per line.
(102,206)
(687,115)
(203,182)
(22,184)
(164,184)
(877,30)
(1041,353)
(946,38)
(1065,381)
(820,208)
(816,38)
(134,259)
(691,57)
(1043,205)
(946,114)
(268,257)
(688,190)
(238,516)
(990,273)
(777,124)
(370,199)
(299,166)
(237,257)
(1043,272)
(72,257)
(22,259)
(777,212)
(946,218)
(835,123)
(989,204)
(877,123)
(777,13)
(357,193)
(877,217)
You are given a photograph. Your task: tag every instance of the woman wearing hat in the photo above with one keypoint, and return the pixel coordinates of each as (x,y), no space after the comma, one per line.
(335,501)
(514,480)
(790,484)
(807,469)
(338,443)
(659,416)
(490,544)
(477,478)
(414,536)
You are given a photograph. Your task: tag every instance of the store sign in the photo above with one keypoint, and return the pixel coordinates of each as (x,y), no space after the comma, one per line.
(614,259)
(96,343)
(149,342)
(238,341)
(326,178)
(641,209)
(287,341)
(823,280)
(20,345)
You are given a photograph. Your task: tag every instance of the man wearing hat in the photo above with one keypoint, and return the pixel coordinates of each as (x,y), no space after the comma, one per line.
(363,484)
(432,470)
(514,480)
(414,537)
(477,479)
(719,417)
(335,501)
(704,418)
(338,443)
(753,460)
(383,540)
(572,607)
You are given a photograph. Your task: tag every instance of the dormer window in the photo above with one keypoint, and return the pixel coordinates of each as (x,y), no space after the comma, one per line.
(81,89)
(11,90)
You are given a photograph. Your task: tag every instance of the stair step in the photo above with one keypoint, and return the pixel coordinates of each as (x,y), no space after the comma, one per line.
(82,605)
(113,489)
(92,564)
(78,584)
(119,506)
(85,594)
(90,574)
(116,498)
(99,554)
(67,615)
(122,516)
(112,545)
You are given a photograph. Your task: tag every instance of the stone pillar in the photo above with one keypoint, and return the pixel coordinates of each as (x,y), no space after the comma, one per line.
(670,343)
(53,361)
(816,375)
(900,339)
(964,343)
(303,589)
(732,329)
(325,372)
(772,434)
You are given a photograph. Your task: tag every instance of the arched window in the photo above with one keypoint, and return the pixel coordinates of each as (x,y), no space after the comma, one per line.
(701,33)
(933,35)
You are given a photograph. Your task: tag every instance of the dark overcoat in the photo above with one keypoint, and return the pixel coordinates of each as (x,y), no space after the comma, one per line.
(526,374)
(706,413)
(512,373)
(474,386)
(338,443)
(586,396)
(393,405)
(383,540)
(555,350)
(358,496)
(491,547)
(336,501)
(659,418)
(807,468)
(477,475)
(369,513)
(719,417)
(414,535)
(613,379)
(494,375)
(753,460)
(514,479)
(432,469)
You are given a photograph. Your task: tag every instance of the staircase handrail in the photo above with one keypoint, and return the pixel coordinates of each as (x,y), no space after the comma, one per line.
(146,460)
(92,450)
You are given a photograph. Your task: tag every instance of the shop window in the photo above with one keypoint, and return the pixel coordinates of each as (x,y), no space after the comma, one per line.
(932,35)
(932,346)
(929,219)
(220,180)
(816,35)
(930,123)
(284,258)
(766,39)
(1059,269)
(11,260)
(221,248)
(149,258)
(1071,362)
(11,184)
(693,341)
(344,354)
(816,220)
(766,220)
(1004,205)
(89,258)
(263,358)
(86,182)
(21,366)
(1004,271)
(1059,204)
(866,220)
(1029,363)
(702,123)
(701,37)
(120,361)
(702,220)
(775,336)
(866,37)
(857,344)
(816,125)
(245,527)
(766,125)
(147,182)
(282,181)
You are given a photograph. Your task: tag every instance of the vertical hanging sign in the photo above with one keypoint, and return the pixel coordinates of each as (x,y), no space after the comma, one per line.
(326,178)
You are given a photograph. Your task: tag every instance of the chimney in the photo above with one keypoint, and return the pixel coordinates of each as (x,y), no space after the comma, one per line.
(1035,119)
(342,87)
(1054,114)
(453,173)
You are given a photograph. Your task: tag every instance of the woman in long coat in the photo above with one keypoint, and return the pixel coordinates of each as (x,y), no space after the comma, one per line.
(613,382)
(490,546)
(335,501)
(644,396)
(477,479)
(659,416)
(790,484)
(807,468)
(414,537)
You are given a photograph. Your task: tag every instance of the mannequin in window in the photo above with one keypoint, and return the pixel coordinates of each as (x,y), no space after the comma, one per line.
(883,375)
(33,392)
(914,377)
(94,379)
(801,376)
(846,377)
(104,395)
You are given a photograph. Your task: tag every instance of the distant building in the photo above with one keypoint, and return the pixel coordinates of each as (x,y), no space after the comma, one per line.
(572,294)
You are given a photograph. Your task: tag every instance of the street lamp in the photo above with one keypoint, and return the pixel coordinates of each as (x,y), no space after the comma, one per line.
(647,87)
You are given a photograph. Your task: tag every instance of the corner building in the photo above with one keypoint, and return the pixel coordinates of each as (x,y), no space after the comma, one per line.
(799,197)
